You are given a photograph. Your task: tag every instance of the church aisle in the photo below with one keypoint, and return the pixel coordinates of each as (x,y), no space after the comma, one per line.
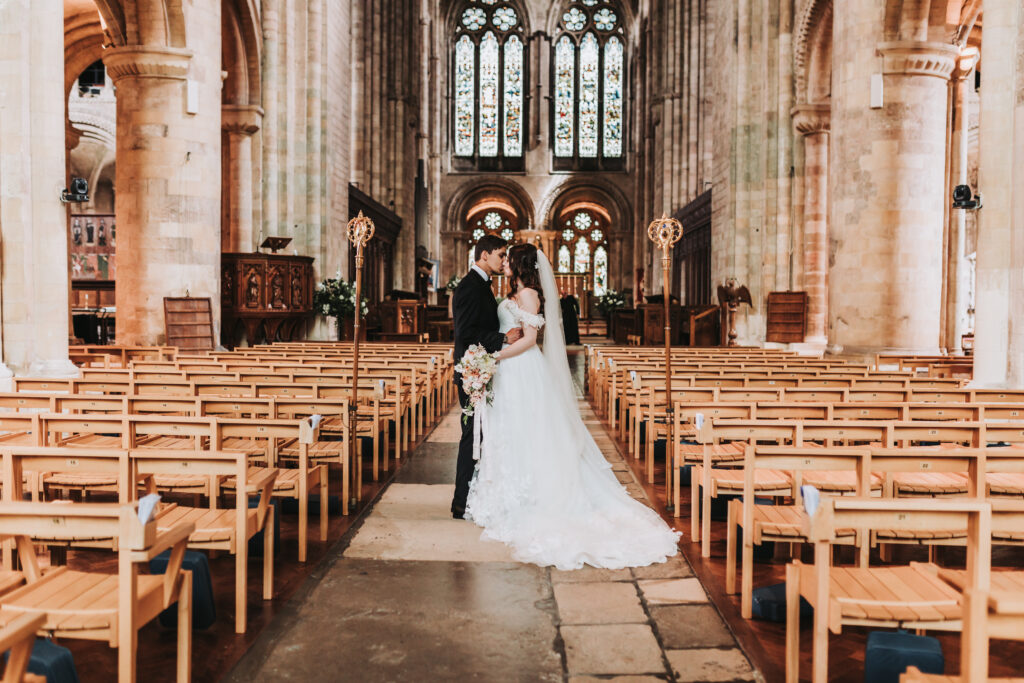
(418,596)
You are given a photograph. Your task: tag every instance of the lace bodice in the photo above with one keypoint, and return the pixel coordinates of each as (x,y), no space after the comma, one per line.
(510,315)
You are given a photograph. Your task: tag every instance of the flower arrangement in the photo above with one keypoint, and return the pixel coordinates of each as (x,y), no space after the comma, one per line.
(610,301)
(336,297)
(453,282)
(477,369)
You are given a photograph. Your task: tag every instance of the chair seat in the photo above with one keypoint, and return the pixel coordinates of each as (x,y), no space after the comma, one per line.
(930,483)
(721,452)
(74,600)
(320,450)
(838,481)
(181,482)
(212,526)
(785,521)
(80,479)
(1005,484)
(287,479)
(888,595)
(764,480)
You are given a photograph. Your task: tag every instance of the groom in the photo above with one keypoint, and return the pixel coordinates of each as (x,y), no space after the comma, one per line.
(476,322)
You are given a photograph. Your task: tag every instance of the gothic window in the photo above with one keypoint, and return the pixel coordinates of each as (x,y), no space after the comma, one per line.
(488,86)
(490,221)
(583,247)
(588,76)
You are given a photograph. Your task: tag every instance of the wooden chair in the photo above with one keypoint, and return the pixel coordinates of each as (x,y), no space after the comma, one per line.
(18,638)
(781,523)
(912,597)
(93,605)
(219,529)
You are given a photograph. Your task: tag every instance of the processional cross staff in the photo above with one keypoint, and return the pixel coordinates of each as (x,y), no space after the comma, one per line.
(360,230)
(665,232)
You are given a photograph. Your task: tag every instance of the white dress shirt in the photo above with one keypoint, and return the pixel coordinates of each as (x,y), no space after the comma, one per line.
(485,276)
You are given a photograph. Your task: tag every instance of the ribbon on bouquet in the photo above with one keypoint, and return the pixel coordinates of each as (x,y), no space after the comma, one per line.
(479,425)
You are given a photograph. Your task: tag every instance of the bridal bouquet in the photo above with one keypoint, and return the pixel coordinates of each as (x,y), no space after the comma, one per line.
(477,369)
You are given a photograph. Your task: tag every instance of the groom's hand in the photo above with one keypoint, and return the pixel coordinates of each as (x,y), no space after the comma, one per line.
(514,335)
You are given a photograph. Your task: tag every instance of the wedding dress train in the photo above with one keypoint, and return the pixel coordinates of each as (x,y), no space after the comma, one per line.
(542,485)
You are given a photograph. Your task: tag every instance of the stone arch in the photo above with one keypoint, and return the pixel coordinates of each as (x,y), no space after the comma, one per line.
(812,52)
(629,19)
(478,189)
(83,39)
(576,188)
(242,49)
(144,22)
(451,9)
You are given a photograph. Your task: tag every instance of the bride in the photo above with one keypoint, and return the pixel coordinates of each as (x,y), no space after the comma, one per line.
(542,485)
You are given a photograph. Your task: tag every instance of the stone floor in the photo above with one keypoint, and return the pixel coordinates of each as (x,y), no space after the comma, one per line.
(411,594)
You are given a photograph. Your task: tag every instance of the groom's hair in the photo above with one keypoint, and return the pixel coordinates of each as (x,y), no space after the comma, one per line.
(488,243)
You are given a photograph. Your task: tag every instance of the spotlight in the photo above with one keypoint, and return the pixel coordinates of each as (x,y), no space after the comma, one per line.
(79,191)
(962,198)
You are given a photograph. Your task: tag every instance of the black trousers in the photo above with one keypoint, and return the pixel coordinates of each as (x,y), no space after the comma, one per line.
(465,466)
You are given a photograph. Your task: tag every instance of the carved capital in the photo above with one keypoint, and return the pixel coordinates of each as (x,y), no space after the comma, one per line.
(809,119)
(915,58)
(244,119)
(146,62)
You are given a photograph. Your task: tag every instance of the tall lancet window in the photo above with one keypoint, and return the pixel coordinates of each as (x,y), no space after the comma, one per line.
(588,81)
(489,86)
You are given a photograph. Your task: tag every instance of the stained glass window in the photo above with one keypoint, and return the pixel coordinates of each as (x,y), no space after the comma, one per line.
(589,83)
(489,80)
(564,265)
(507,234)
(582,256)
(588,95)
(478,233)
(464,106)
(492,220)
(513,97)
(489,95)
(583,248)
(565,77)
(600,271)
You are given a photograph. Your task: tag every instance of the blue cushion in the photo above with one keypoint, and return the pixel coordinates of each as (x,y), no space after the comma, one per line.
(256,542)
(204,611)
(769,604)
(888,654)
(51,660)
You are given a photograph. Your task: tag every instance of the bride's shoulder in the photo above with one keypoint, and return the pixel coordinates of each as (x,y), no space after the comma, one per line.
(528,299)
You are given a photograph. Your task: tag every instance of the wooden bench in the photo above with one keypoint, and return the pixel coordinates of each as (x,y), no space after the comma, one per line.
(93,605)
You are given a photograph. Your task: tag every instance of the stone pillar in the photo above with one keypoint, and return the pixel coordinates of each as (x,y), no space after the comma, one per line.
(168,201)
(887,188)
(240,123)
(812,122)
(34,280)
(999,347)
(958,269)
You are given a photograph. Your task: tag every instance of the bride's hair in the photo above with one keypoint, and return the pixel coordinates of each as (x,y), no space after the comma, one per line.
(522,261)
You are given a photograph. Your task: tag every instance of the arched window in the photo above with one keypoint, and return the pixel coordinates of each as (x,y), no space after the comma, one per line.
(488,86)
(583,247)
(589,77)
(490,220)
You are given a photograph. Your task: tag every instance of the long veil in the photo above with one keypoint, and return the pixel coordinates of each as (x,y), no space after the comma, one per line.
(558,366)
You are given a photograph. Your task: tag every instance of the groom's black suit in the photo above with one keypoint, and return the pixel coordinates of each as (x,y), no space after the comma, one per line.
(476,322)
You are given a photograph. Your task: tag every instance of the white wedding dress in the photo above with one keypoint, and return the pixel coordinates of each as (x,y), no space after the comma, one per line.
(541,485)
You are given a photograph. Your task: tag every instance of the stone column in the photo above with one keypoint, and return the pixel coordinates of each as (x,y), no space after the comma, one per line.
(239,123)
(887,188)
(168,201)
(812,122)
(958,270)
(999,347)
(34,280)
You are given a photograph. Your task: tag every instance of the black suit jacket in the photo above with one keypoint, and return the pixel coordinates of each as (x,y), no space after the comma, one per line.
(475,314)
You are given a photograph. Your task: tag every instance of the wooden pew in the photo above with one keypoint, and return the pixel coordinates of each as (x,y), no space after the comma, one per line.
(887,597)
(115,606)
